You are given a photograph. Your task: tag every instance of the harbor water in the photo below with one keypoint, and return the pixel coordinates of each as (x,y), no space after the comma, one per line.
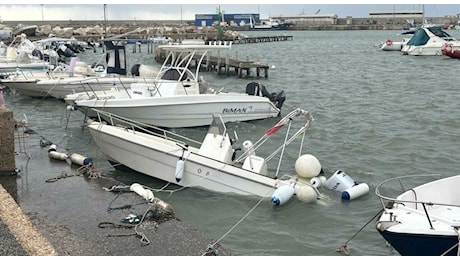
(377,114)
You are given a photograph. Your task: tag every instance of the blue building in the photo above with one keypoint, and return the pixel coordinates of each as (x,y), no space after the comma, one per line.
(229,19)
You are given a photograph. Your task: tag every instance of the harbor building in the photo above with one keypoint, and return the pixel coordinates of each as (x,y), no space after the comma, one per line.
(316,19)
(227,19)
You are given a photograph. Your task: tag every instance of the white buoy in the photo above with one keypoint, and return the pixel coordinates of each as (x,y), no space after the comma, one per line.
(355,191)
(80,159)
(248,148)
(307,166)
(339,181)
(57,155)
(180,165)
(145,193)
(323,179)
(52,147)
(305,193)
(282,194)
(316,182)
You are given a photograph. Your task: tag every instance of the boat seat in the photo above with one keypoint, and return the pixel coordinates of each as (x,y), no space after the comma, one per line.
(217,147)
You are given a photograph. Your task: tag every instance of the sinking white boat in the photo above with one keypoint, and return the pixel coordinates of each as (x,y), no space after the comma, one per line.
(179,97)
(422,220)
(427,41)
(213,164)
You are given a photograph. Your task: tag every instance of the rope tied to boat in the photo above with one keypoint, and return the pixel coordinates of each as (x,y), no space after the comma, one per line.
(343,248)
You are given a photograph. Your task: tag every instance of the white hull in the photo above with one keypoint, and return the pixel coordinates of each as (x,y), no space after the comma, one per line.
(8,67)
(214,164)
(60,87)
(425,50)
(187,110)
(157,158)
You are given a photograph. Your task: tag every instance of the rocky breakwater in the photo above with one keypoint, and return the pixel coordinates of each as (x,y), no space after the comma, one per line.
(98,32)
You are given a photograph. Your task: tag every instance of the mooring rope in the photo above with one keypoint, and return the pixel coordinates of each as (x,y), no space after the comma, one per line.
(212,249)
(343,248)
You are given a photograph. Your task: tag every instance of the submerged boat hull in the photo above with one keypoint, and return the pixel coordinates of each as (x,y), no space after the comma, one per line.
(158,158)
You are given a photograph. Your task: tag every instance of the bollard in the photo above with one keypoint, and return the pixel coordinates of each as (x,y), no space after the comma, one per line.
(7,163)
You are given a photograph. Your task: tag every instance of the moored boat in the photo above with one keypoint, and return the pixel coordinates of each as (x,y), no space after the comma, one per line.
(422,220)
(219,163)
(427,41)
(179,97)
(451,51)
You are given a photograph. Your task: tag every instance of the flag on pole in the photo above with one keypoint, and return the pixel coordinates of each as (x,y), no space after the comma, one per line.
(273,129)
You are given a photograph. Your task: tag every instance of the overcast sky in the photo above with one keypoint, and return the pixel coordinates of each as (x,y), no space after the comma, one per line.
(180,10)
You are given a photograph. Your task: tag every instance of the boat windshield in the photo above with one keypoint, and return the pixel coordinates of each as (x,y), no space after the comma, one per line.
(217,126)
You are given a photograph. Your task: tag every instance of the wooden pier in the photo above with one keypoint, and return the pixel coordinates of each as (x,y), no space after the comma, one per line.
(228,66)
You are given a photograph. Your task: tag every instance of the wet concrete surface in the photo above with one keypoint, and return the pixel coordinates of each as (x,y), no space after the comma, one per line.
(73,210)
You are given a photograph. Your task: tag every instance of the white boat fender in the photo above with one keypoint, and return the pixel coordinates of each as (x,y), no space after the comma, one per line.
(180,165)
(316,182)
(52,148)
(72,108)
(282,194)
(145,193)
(248,148)
(307,166)
(80,159)
(355,191)
(305,193)
(57,155)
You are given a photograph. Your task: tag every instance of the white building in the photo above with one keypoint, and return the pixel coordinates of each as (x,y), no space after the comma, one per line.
(308,18)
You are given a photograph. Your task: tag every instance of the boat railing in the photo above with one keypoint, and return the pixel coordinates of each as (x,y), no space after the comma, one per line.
(114,119)
(388,202)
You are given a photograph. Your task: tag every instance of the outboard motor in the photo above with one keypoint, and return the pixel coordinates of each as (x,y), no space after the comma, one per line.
(37,53)
(257,89)
(66,52)
(135,70)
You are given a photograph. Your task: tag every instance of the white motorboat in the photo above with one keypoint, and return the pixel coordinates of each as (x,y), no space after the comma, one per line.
(20,55)
(427,41)
(213,164)
(391,45)
(424,220)
(180,98)
(77,76)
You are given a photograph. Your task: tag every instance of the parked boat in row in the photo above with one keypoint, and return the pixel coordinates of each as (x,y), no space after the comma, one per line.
(78,76)
(179,97)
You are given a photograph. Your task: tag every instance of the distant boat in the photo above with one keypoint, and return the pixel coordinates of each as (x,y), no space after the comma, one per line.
(451,51)
(428,42)
(29,30)
(269,25)
(390,45)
